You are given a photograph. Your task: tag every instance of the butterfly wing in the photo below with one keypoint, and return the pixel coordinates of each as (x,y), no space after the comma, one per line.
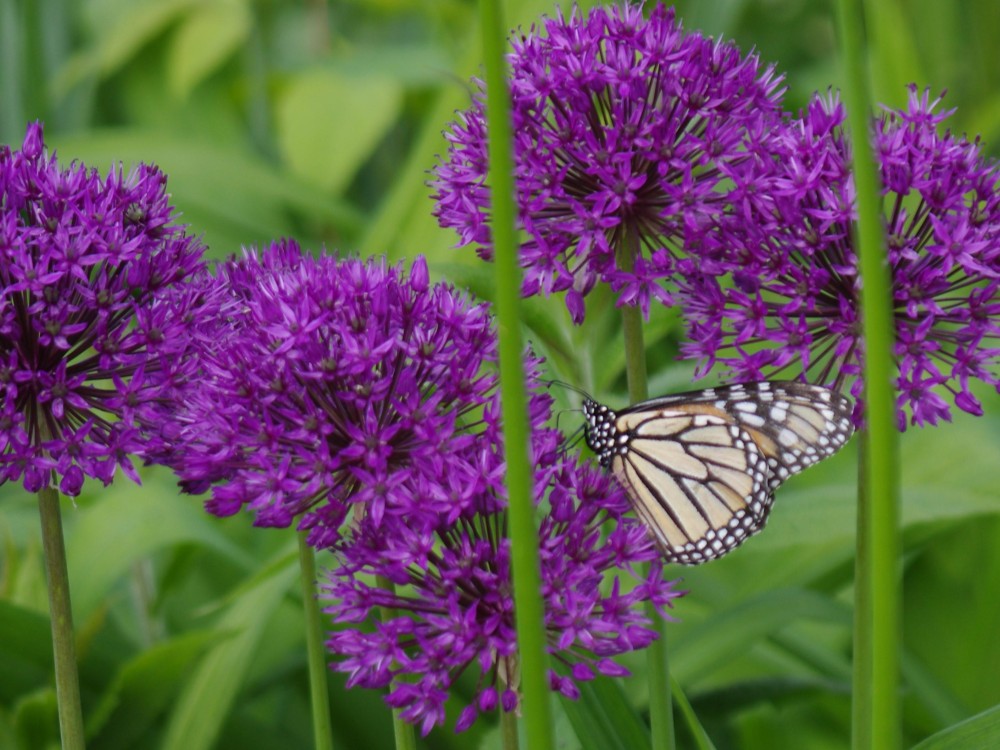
(793,424)
(701,468)
(697,480)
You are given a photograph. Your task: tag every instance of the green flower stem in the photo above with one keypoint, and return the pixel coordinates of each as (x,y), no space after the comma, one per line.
(406,738)
(661,711)
(877,722)
(508,731)
(635,349)
(528,605)
(315,653)
(61,613)
(861,679)
(635,353)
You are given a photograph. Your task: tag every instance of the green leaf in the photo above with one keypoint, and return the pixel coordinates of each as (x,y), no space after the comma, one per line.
(934,694)
(701,738)
(979,731)
(128,523)
(413,64)
(123,32)
(144,688)
(25,650)
(819,507)
(7,734)
(329,123)
(984,120)
(896,62)
(23,578)
(223,190)
(604,718)
(729,633)
(207,36)
(711,16)
(208,697)
(35,720)
(734,697)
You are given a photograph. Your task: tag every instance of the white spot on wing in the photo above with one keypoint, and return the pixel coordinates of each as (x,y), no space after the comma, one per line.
(787,438)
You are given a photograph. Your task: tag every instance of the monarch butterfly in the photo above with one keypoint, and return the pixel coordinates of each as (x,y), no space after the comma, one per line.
(701,468)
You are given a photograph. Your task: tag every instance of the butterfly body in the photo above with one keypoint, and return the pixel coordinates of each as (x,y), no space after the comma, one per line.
(701,468)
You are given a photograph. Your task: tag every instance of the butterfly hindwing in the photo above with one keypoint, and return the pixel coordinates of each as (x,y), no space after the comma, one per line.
(700,468)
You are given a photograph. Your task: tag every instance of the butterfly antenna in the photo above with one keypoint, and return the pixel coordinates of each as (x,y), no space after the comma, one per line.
(560,413)
(570,387)
(574,438)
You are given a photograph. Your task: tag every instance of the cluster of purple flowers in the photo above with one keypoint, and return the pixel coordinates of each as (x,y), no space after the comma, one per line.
(85,339)
(360,401)
(353,397)
(328,384)
(784,297)
(625,131)
(363,401)
(452,606)
(661,164)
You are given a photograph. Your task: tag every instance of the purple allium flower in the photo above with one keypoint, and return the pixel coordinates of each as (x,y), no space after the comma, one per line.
(329,384)
(790,305)
(452,606)
(83,336)
(346,390)
(625,130)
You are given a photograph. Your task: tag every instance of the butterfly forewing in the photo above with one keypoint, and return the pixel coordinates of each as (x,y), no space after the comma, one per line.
(793,424)
(701,468)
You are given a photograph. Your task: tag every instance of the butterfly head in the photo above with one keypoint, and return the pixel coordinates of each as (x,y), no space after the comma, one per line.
(600,433)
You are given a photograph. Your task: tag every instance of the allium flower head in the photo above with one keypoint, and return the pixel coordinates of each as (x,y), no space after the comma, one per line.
(83,337)
(347,390)
(453,606)
(791,304)
(625,130)
(326,384)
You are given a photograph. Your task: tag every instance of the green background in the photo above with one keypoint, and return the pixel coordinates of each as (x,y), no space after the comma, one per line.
(319,120)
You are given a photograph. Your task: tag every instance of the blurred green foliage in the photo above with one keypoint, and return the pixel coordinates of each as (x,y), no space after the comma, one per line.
(319,120)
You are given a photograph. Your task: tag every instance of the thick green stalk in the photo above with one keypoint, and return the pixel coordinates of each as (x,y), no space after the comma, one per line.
(861,680)
(61,613)
(523,533)
(878,561)
(661,710)
(406,738)
(315,653)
